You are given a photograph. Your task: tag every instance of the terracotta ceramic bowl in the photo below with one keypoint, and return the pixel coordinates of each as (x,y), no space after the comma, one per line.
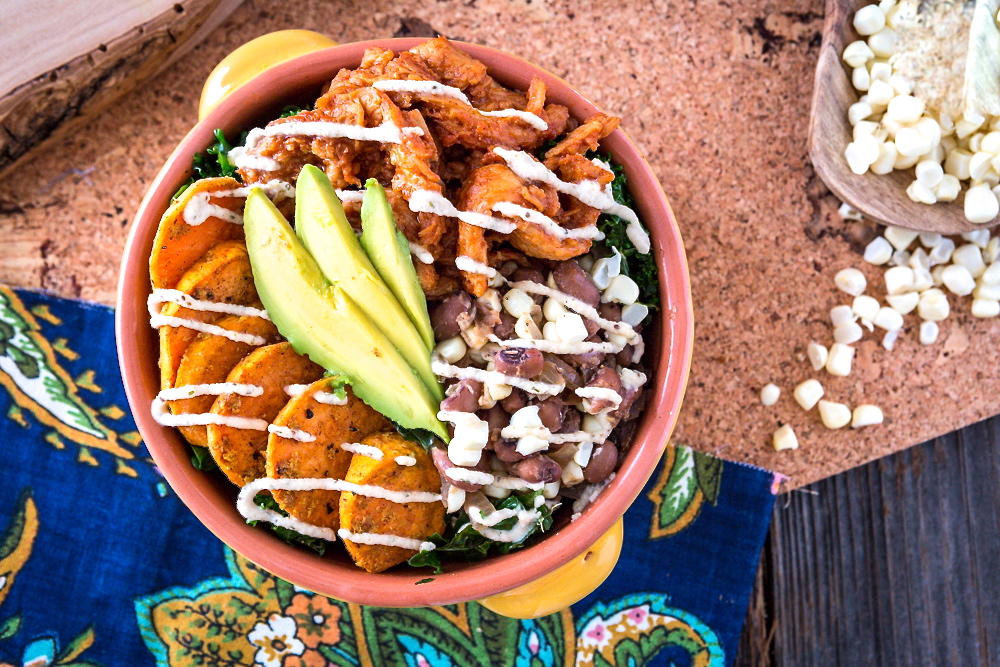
(212,498)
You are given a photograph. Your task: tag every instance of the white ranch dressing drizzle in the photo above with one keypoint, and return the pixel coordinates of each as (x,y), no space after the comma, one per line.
(476,515)
(554,347)
(158,320)
(200,208)
(351,195)
(581,308)
(325,397)
(589,192)
(386,540)
(525,520)
(469,265)
(428,201)
(164,418)
(212,389)
(421,253)
(251,511)
(161,296)
(599,393)
(290,433)
(406,461)
(516,484)
(458,474)
(364,450)
(436,88)
(444,369)
(550,226)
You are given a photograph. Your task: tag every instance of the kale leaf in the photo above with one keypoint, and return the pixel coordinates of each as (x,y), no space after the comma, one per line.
(421,436)
(287,535)
(214,162)
(202,459)
(466,543)
(640,268)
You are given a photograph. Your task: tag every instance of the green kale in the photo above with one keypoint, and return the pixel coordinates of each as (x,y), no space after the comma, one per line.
(290,110)
(640,268)
(466,543)
(287,535)
(202,459)
(421,436)
(214,162)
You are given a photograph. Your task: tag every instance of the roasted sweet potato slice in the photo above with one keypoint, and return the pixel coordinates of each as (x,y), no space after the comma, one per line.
(241,452)
(332,426)
(222,275)
(209,359)
(363,514)
(178,244)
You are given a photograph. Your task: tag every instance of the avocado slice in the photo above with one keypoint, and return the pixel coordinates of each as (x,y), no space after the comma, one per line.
(320,320)
(389,252)
(325,232)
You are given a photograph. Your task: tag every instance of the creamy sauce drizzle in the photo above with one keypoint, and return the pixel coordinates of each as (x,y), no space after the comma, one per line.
(421,253)
(525,520)
(458,474)
(164,418)
(351,195)
(600,393)
(589,192)
(325,397)
(386,540)
(581,308)
(469,265)
(436,88)
(364,450)
(245,158)
(161,296)
(428,201)
(213,389)
(200,208)
(443,369)
(157,321)
(550,226)
(290,433)
(406,461)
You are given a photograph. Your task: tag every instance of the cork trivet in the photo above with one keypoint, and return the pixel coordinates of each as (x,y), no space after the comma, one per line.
(717,97)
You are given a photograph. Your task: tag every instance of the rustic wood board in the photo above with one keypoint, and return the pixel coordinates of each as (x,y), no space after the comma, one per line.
(894,563)
(715,94)
(75,58)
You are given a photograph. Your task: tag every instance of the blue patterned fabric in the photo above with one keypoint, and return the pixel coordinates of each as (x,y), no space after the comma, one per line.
(100,564)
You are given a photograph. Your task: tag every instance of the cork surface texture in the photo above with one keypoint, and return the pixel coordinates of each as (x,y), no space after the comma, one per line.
(715,94)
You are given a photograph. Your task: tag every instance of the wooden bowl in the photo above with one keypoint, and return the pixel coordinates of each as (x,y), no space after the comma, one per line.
(212,498)
(880,198)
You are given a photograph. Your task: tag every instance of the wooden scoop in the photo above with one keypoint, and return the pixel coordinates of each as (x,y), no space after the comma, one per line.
(880,198)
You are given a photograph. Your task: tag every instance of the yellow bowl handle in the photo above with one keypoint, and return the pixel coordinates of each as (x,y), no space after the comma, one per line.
(254,57)
(564,586)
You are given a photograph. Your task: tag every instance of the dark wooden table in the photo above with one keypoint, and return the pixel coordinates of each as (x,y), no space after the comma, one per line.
(893,563)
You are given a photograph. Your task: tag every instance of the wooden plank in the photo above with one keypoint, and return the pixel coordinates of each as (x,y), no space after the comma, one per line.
(893,563)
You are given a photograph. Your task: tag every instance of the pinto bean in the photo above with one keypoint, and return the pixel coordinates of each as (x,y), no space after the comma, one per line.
(624,357)
(506,451)
(519,361)
(604,378)
(443,464)
(537,468)
(496,418)
(533,275)
(610,311)
(463,396)
(602,463)
(571,421)
(504,329)
(588,359)
(573,280)
(446,315)
(550,411)
(514,402)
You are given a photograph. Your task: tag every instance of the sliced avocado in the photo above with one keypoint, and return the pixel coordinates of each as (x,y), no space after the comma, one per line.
(389,252)
(321,321)
(325,232)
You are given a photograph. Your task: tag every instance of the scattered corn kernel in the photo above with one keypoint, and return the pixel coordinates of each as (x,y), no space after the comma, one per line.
(899,279)
(784,438)
(847,333)
(808,393)
(866,415)
(869,20)
(971,258)
(928,333)
(985,308)
(958,280)
(865,307)
(933,305)
(904,304)
(851,281)
(834,415)
(451,349)
(621,289)
(941,253)
(841,315)
(981,205)
(857,54)
(889,339)
(839,360)
(634,313)
(817,355)
(552,309)
(571,329)
(899,237)
(769,394)
(889,319)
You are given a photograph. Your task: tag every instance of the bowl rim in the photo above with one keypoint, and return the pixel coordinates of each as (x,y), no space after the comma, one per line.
(200,493)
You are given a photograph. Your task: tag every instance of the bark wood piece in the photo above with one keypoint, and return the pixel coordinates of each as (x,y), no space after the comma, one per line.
(51,104)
